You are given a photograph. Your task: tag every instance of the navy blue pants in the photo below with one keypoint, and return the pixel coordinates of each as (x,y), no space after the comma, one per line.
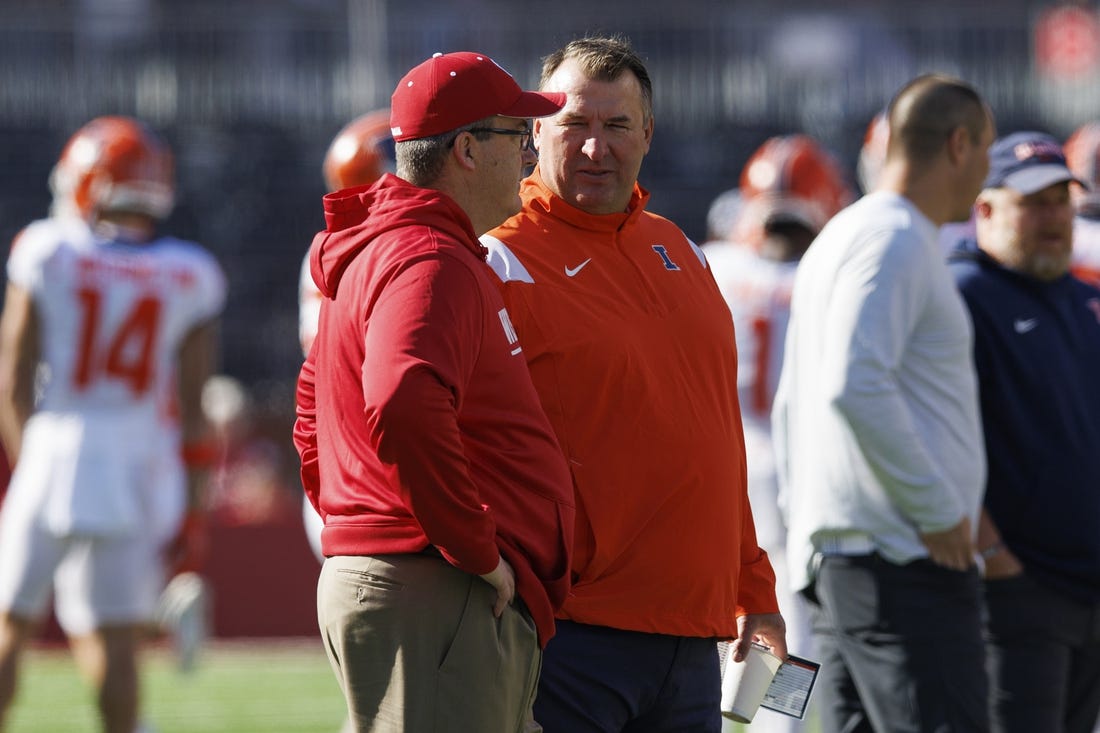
(1043,653)
(900,647)
(597,679)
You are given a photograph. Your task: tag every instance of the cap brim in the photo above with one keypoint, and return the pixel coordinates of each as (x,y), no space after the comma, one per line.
(1036,178)
(535,104)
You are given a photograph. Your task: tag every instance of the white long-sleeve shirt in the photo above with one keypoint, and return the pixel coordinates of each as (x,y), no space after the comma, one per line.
(877,426)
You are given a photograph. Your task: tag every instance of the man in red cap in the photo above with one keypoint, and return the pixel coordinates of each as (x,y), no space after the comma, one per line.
(448,506)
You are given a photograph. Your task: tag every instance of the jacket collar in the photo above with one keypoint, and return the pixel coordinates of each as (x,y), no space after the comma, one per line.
(537,194)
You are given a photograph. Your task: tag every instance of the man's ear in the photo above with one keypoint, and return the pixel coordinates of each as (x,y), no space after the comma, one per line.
(464,152)
(958,143)
(536,130)
(648,132)
(982,207)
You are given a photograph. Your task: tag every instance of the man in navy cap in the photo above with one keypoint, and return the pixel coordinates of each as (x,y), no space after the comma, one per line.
(1037,354)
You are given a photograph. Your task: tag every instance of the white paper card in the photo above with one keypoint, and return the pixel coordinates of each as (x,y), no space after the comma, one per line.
(789,692)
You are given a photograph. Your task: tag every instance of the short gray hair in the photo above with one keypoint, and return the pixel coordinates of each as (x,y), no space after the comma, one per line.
(420,161)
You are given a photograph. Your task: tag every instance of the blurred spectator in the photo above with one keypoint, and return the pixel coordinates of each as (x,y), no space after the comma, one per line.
(1037,352)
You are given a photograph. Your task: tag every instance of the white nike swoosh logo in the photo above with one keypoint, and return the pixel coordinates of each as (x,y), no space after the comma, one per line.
(1023,326)
(571,271)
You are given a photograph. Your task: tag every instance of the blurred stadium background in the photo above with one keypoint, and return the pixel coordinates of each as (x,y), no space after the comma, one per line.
(250,93)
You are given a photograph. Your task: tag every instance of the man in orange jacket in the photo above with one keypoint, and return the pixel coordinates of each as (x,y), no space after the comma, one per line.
(631,348)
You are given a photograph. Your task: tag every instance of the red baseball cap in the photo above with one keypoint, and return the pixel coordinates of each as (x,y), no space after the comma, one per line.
(451,90)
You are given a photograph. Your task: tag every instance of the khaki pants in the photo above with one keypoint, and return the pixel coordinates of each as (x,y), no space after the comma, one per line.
(416,649)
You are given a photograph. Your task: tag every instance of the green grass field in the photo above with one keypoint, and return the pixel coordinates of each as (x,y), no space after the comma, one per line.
(239,687)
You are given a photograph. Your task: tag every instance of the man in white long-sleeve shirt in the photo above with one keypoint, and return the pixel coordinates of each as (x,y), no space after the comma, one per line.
(878,434)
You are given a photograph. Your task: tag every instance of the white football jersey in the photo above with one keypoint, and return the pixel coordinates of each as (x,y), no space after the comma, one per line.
(100,453)
(758,293)
(112,315)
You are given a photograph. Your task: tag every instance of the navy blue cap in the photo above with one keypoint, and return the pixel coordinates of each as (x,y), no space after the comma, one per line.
(1028,162)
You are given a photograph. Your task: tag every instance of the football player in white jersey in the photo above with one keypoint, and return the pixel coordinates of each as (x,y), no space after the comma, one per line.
(358,156)
(1083,156)
(790,188)
(107,335)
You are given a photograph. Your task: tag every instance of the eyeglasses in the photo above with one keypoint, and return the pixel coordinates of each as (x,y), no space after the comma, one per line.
(524,135)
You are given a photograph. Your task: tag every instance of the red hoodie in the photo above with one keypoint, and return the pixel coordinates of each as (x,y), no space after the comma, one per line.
(417,420)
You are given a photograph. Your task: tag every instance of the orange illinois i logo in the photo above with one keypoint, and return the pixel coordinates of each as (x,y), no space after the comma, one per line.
(509,331)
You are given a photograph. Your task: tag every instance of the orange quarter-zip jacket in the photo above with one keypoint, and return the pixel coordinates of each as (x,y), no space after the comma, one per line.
(631,349)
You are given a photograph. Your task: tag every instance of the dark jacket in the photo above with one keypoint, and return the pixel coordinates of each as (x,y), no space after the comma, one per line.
(1037,352)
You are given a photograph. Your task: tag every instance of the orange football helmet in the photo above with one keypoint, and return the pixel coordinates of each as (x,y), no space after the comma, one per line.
(358,154)
(872,156)
(790,177)
(114,164)
(1083,157)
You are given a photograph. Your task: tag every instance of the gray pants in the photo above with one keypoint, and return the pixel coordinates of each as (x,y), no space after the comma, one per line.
(416,649)
(900,647)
